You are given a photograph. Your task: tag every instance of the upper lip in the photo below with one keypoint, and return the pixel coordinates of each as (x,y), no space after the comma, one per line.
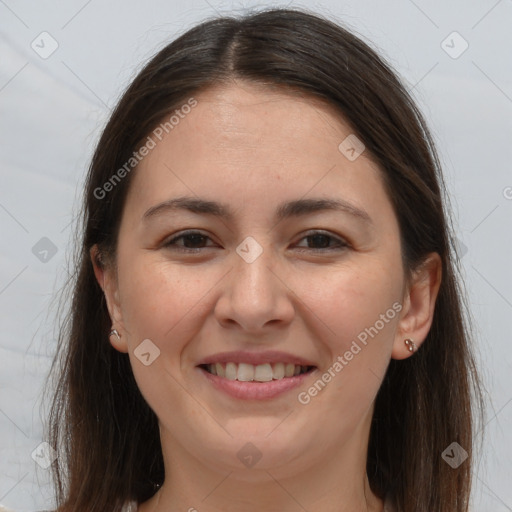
(255,358)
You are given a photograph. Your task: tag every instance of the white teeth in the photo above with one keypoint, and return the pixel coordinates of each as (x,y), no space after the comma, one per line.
(263,373)
(289,370)
(278,371)
(231,369)
(219,370)
(244,372)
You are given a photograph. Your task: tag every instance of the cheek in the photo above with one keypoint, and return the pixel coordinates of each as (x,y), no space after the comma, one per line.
(164,303)
(159,299)
(356,299)
(358,310)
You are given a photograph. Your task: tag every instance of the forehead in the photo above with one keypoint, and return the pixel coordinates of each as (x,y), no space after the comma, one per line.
(253,146)
(244,117)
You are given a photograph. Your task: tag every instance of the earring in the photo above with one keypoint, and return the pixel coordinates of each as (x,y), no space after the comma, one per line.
(410,345)
(114,332)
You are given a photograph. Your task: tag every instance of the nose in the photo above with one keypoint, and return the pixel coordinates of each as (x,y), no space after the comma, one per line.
(255,297)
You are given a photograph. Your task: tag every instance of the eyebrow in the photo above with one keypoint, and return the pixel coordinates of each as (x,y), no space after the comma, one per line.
(297,208)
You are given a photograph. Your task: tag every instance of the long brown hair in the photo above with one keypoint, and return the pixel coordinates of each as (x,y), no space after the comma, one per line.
(106,435)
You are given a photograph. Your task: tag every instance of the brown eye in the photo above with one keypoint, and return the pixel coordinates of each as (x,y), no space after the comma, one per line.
(192,241)
(322,241)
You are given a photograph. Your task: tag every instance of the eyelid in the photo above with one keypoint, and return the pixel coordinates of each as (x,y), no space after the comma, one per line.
(341,243)
(182,234)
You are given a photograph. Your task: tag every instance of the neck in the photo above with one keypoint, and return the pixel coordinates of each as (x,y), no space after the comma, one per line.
(334,483)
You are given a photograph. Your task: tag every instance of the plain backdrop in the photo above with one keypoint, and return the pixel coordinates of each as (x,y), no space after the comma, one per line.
(63,65)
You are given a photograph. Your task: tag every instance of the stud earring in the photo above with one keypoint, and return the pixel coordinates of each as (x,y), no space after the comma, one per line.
(411,346)
(115,333)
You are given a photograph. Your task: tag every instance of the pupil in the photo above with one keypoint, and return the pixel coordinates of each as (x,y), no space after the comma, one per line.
(317,237)
(196,238)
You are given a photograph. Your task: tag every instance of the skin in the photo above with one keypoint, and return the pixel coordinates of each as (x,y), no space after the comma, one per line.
(252,148)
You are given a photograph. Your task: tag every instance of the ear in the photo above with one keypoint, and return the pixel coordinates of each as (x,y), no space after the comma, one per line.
(107,279)
(418,305)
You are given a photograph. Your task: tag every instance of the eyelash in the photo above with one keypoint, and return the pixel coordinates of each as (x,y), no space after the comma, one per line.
(341,244)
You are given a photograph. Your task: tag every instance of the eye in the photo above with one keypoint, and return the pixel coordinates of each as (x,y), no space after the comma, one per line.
(193,241)
(323,239)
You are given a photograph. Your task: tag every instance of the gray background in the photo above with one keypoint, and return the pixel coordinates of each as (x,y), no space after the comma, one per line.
(52,110)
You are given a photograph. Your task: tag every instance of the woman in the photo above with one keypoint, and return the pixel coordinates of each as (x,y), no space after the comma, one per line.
(266,314)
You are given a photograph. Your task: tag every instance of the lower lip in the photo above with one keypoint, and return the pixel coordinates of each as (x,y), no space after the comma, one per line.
(255,390)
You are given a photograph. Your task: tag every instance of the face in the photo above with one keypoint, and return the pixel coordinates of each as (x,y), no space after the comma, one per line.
(301,273)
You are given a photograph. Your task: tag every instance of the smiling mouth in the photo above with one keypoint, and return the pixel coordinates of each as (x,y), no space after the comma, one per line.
(267,372)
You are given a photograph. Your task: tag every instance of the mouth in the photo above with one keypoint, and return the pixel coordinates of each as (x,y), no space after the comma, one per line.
(263,380)
(246,372)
